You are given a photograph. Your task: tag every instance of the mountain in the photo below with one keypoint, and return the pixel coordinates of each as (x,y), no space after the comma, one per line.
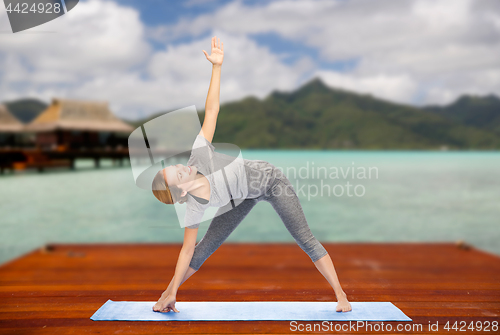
(316,116)
(26,109)
(319,117)
(479,112)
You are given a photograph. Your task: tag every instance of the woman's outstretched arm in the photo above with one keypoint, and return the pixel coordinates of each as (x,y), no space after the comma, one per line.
(212,104)
(168,298)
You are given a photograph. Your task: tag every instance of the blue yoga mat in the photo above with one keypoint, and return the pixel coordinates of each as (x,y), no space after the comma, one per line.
(249,310)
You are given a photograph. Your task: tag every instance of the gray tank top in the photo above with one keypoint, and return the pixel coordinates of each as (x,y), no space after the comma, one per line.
(230,179)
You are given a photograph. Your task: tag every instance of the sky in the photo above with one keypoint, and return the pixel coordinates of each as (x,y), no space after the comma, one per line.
(146,56)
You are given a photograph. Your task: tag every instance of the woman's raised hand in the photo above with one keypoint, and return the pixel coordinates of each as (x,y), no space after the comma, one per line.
(217,52)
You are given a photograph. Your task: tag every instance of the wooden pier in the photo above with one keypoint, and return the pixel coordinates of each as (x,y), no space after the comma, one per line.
(55,290)
(22,159)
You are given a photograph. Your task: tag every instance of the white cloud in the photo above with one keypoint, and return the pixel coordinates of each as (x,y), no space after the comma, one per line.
(248,69)
(180,75)
(432,42)
(432,50)
(97,38)
(100,52)
(98,42)
(399,88)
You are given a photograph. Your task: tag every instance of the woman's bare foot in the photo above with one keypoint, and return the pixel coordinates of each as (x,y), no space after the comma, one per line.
(342,304)
(159,303)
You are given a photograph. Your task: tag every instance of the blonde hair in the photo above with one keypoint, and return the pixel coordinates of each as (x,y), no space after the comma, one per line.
(167,194)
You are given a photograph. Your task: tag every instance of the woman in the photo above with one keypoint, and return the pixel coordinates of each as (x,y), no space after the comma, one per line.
(200,187)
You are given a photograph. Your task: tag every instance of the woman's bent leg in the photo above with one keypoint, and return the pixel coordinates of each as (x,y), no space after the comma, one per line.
(219,230)
(285,202)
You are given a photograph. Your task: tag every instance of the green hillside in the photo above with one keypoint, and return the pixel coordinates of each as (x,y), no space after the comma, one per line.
(316,116)
(25,110)
(319,117)
(480,112)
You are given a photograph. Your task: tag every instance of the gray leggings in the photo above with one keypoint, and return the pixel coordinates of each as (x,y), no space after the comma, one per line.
(285,202)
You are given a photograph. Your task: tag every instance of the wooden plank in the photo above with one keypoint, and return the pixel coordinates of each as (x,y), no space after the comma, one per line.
(57,289)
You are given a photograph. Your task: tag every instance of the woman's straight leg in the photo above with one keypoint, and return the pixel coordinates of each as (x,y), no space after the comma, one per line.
(219,230)
(285,202)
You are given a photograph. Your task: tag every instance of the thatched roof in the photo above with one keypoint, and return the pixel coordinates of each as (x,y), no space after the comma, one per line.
(68,114)
(8,122)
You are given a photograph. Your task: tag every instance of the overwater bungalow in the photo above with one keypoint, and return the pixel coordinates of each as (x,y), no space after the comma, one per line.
(78,124)
(67,130)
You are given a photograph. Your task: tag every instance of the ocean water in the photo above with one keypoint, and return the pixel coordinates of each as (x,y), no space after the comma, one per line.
(375,196)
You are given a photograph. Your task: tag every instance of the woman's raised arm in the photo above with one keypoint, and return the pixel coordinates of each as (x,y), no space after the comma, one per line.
(212,104)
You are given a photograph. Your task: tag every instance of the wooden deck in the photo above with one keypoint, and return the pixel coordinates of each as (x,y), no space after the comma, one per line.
(56,291)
